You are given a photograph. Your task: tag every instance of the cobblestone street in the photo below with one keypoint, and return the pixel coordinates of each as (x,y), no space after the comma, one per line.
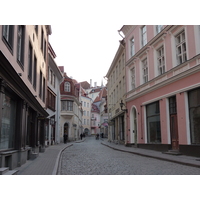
(92,158)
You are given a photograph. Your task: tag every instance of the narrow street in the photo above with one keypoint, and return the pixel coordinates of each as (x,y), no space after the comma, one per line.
(92,158)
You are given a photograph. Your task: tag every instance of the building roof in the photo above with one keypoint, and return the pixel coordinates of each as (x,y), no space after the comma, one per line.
(85,85)
(102,94)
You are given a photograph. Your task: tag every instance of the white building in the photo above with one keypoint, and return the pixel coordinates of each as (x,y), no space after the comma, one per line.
(53,100)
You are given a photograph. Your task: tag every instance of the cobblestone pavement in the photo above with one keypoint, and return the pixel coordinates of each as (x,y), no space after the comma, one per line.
(93,158)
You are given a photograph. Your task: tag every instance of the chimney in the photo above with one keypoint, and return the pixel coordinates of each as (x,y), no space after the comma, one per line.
(95,84)
(90,82)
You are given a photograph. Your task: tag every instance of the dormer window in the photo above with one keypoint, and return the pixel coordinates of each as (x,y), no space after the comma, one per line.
(67,87)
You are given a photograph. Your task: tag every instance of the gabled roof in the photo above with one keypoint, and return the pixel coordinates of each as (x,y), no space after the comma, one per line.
(85,85)
(102,94)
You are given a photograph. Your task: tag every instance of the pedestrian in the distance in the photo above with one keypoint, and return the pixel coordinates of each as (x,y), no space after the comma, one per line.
(81,136)
(65,138)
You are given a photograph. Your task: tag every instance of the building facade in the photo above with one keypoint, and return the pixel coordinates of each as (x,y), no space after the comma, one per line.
(95,119)
(117,94)
(23,90)
(53,100)
(86,105)
(71,109)
(163,87)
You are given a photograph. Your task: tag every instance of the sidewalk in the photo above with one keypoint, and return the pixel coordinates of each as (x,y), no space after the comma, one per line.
(46,163)
(180,159)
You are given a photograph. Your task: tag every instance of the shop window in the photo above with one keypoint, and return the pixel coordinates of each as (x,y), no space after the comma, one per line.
(194,113)
(153,123)
(7,123)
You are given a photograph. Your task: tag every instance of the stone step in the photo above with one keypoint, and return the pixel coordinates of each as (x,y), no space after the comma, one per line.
(3,170)
(11,172)
(173,152)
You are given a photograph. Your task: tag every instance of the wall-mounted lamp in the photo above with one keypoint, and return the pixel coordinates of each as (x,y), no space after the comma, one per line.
(121,105)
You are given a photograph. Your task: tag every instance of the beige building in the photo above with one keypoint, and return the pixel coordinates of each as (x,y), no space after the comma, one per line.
(23,90)
(86,105)
(116,94)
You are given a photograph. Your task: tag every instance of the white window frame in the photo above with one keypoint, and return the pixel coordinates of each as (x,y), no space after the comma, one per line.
(160,60)
(67,87)
(132,47)
(159,28)
(132,78)
(144,35)
(145,70)
(181,49)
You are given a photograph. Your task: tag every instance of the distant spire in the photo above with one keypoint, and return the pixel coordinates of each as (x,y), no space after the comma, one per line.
(101,82)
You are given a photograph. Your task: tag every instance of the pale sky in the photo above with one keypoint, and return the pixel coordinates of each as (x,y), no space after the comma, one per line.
(85,50)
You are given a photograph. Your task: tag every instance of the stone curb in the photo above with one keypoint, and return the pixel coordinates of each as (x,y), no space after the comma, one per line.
(55,170)
(56,167)
(156,157)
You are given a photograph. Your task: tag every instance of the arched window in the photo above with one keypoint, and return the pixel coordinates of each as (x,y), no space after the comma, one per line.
(67,87)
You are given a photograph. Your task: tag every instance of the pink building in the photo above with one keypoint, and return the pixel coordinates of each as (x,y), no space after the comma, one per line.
(163,87)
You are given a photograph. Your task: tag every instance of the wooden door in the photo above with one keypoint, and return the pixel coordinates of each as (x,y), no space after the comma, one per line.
(173,123)
(174,132)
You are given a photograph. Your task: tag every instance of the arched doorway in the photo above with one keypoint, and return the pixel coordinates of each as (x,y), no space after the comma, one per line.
(133,124)
(66,129)
(87,131)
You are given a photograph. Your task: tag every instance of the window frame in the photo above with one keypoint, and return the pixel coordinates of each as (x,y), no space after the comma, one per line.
(160,60)
(181,57)
(20,44)
(67,86)
(132,47)
(145,72)
(143,36)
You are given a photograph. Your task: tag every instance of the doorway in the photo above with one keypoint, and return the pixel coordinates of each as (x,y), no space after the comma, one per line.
(134,126)
(173,123)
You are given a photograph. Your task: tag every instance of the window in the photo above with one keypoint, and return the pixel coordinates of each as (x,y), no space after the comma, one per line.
(36,29)
(159,28)
(30,62)
(145,70)
(42,40)
(44,89)
(35,72)
(181,48)
(87,113)
(132,74)
(67,105)
(88,105)
(7,133)
(132,47)
(84,104)
(44,49)
(67,87)
(194,114)
(119,66)
(20,44)
(40,89)
(8,31)
(123,61)
(51,100)
(144,36)
(153,123)
(51,78)
(161,60)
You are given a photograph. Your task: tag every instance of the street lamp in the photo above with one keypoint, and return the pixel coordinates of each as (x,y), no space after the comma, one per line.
(121,105)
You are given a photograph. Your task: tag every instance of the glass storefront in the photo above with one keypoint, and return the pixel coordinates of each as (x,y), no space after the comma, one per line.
(153,123)
(8,122)
(194,112)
